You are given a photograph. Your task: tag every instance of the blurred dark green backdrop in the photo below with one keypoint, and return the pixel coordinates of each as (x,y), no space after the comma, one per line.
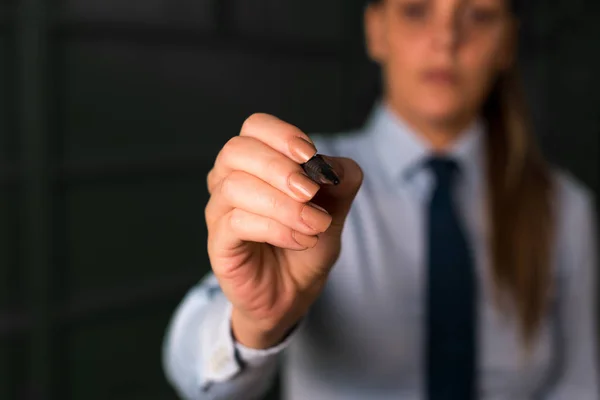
(111,114)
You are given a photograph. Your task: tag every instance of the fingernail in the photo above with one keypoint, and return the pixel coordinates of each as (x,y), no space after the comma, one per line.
(302,186)
(318,207)
(305,240)
(301,150)
(316,217)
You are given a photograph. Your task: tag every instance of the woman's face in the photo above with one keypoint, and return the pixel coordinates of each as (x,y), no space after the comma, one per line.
(440,57)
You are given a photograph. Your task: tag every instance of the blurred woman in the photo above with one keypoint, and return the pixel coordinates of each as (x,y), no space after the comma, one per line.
(451,262)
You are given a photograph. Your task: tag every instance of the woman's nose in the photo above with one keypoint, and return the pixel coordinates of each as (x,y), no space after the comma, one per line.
(445,33)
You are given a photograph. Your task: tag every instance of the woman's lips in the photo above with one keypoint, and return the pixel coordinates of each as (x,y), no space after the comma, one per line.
(440,76)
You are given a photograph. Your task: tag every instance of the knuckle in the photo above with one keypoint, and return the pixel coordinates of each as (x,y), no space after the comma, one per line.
(272,166)
(209,180)
(235,219)
(270,226)
(273,202)
(228,151)
(275,231)
(210,245)
(227,187)
(209,213)
(285,236)
(251,122)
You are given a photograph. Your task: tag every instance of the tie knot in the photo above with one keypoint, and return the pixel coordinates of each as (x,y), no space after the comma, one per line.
(444,169)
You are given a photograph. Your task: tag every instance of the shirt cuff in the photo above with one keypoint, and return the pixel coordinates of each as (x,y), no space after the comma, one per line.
(219,362)
(224,357)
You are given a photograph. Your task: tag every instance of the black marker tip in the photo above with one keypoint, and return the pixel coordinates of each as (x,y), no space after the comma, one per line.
(320,171)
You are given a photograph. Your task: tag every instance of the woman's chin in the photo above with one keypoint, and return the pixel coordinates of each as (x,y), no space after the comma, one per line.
(441,105)
(442,110)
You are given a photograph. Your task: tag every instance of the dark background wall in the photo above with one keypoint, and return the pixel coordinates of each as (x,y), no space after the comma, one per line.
(111,114)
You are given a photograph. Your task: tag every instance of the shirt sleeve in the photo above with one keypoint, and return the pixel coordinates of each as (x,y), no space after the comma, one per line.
(201,359)
(577,309)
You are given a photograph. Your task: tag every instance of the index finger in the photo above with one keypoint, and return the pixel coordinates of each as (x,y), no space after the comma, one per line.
(279,135)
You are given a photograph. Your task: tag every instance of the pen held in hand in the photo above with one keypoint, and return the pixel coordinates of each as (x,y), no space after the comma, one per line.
(320,171)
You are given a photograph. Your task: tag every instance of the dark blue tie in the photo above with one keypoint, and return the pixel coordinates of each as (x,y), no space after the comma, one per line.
(451,340)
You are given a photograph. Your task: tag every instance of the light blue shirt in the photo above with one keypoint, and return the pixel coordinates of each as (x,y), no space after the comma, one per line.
(363,338)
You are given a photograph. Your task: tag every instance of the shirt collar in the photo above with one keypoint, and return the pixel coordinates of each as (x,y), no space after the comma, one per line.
(401,150)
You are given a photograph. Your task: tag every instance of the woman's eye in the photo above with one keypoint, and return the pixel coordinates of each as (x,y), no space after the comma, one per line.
(414,10)
(482,15)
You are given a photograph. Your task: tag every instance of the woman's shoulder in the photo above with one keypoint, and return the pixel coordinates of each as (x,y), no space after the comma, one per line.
(574,198)
(576,222)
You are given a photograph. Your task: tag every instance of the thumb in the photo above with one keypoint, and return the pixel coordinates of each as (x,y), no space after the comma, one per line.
(337,200)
